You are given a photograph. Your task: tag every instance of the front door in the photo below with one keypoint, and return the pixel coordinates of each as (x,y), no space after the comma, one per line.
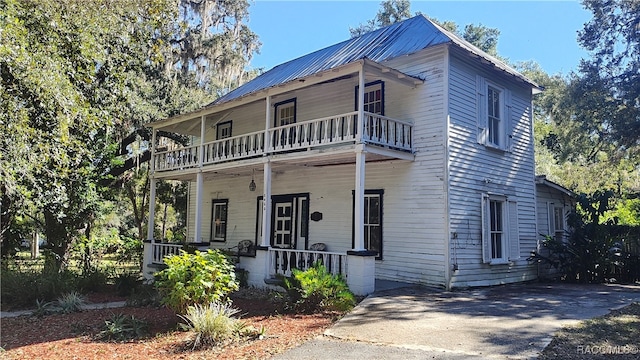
(289,225)
(283,230)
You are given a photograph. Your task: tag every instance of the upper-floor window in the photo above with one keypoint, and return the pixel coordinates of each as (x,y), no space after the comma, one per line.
(373,97)
(223,130)
(500,233)
(285,112)
(494,111)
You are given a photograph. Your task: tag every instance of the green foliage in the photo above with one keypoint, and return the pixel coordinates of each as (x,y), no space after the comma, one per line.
(92,280)
(315,289)
(127,282)
(22,287)
(70,302)
(43,308)
(214,324)
(595,251)
(122,327)
(144,295)
(390,12)
(199,278)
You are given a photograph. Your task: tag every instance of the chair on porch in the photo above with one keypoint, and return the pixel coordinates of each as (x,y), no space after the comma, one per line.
(246,248)
(313,258)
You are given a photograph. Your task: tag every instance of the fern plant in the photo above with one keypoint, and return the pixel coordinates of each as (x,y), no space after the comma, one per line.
(316,289)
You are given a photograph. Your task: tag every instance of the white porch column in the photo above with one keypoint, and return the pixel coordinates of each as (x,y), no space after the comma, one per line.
(360,122)
(152,209)
(197,234)
(266,205)
(358,196)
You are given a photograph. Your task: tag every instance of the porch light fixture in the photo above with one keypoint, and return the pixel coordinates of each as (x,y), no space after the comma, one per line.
(252,184)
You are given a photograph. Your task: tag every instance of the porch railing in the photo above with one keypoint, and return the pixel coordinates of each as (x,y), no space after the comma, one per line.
(180,158)
(327,131)
(386,131)
(282,261)
(236,147)
(160,251)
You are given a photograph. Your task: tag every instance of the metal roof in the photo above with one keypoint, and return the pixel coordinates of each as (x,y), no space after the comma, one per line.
(403,38)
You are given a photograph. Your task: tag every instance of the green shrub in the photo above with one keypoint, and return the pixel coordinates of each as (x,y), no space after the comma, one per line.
(192,279)
(122,327)
(22,287)
(93,280)
(316,289)
(144,295)
(127,282)
(214,324)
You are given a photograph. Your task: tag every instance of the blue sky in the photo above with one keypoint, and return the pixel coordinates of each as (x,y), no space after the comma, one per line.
(544,31)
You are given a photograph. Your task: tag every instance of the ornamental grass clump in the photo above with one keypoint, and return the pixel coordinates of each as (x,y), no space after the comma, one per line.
(215,324)
(70,302)
(195,279)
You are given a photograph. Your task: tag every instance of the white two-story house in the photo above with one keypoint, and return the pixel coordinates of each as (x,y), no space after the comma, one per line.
(403,154)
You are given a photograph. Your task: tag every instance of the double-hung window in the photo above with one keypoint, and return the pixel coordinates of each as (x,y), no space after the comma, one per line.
(285,114)
(219,220)
(494,112)
(500,235)
(557,221)
(372,221)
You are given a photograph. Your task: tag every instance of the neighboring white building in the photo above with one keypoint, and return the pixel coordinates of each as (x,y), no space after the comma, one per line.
(434,186)
(555,203)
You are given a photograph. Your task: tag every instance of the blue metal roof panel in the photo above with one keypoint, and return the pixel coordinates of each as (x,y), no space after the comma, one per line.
(402,38)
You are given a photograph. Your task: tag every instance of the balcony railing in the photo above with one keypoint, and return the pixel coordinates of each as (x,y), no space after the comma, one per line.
(282,261)
(301,136)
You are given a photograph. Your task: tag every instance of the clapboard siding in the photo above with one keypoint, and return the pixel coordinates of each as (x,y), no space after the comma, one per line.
(414,213)
(475,169)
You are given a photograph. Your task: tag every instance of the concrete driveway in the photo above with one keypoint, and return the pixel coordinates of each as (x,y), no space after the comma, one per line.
(511,321)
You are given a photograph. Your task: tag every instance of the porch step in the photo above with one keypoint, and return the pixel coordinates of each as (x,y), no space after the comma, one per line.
(158,267)
(273,281)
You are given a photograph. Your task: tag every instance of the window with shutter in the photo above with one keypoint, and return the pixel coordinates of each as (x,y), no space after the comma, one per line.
(500,230)
(493,105)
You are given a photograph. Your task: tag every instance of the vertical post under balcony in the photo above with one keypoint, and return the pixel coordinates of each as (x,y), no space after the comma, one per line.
(358,244)
(152,209)
(266,205)
(360,122)
(197,234)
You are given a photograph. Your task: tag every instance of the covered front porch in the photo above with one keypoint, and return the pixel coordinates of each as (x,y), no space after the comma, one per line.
(296,151)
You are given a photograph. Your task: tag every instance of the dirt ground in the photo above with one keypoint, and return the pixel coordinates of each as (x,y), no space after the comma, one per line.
(73,336)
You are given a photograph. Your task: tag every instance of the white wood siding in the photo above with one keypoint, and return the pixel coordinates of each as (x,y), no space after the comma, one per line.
(475,169)
(414,213)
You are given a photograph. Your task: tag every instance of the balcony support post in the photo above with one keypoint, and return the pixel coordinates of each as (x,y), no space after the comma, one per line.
(358,244)
(152,208)
(266,205)
(197,234)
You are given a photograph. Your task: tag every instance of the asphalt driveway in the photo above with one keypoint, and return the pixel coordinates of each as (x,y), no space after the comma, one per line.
(511,321)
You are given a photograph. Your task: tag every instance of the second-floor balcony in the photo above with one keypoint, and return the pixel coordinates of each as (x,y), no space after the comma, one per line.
(302,136)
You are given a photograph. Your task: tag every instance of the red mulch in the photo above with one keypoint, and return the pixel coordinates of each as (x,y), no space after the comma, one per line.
(72,336)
